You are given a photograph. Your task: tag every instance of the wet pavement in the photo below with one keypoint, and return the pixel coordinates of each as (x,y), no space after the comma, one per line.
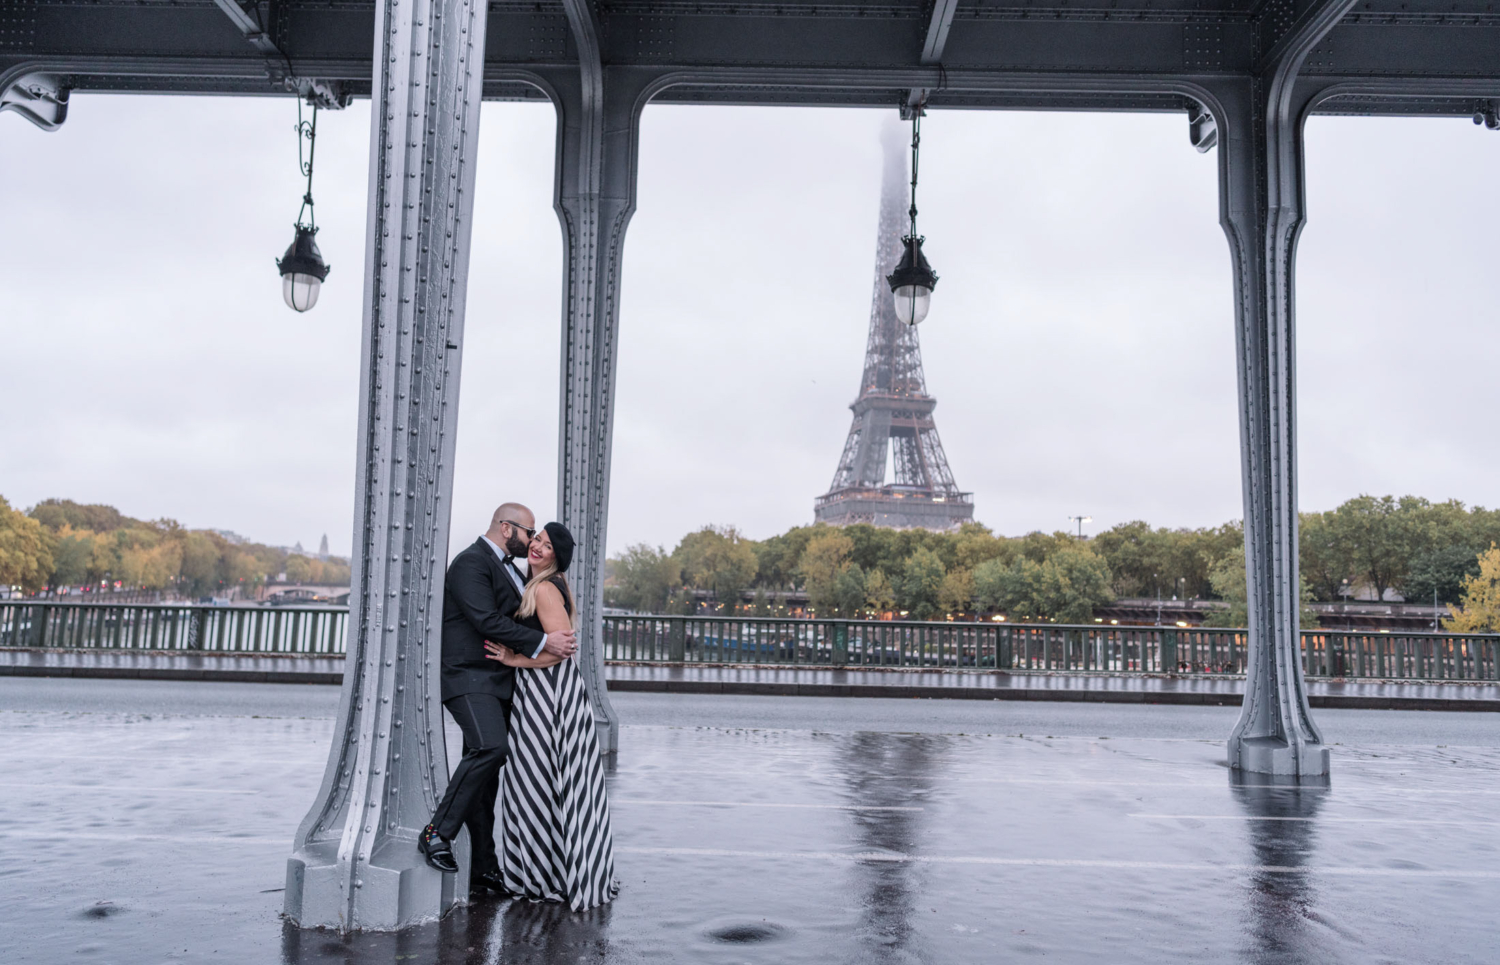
(139,828)
(789,681)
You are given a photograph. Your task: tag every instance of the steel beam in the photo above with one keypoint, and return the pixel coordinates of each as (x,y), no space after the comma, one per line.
(40,98)
(355,864)
(1261,208)
(597,132)
(939,22)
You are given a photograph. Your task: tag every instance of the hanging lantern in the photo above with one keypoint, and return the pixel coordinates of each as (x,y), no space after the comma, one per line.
(302,270)
(302,267)
(913,279)
(912,283)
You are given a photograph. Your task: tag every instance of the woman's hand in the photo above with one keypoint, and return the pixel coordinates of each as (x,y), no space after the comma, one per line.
(500,653)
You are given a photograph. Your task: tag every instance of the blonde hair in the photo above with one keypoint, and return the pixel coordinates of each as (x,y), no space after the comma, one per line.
(528,596)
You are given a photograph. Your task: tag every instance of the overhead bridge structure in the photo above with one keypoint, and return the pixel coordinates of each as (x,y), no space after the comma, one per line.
(1244,75)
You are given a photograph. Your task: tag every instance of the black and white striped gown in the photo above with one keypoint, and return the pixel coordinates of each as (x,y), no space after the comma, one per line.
(557,840)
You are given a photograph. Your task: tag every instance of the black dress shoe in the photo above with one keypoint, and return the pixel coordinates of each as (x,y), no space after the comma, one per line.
(439,853)
(487,881)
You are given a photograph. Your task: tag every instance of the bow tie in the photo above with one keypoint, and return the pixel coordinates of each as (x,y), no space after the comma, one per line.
(510,561)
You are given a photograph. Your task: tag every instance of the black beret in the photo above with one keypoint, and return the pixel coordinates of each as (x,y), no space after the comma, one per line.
(562,545)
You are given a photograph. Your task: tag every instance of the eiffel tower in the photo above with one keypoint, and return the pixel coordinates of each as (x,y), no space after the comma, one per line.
(893,412)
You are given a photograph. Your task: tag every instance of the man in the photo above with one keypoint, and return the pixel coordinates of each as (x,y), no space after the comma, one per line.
(480,597)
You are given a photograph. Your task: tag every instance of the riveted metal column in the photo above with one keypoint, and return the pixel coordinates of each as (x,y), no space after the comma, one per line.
(1260,140)
(355,863)
(598,124)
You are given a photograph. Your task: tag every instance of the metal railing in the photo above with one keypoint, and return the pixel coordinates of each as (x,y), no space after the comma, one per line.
(214,629)
(1038,647)
(787,642)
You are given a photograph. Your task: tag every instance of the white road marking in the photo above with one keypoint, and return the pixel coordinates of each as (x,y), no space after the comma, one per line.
(755,804)
(898,858)
(65,836)
(1318,820)
(112,787)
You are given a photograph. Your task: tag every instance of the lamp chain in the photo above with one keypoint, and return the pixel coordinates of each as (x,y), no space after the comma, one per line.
(307,131)
(916,141)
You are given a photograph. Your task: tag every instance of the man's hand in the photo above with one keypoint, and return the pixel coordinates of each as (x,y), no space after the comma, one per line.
(562,643)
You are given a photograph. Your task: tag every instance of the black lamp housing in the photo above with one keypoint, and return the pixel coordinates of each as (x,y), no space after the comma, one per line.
(302,270)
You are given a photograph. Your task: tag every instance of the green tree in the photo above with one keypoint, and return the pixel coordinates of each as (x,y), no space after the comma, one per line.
(1480,612)
(1440,572)
(1065,587)
(1231,585)
(849,592)
(1324,556)
(1013,588)
(1380,535)
(777,559)
(720,560)
(762,602)
(974,544)
(25,549)
(880,595)
(919,591)
(1075,579)
(825,558)
(956,595)
(1228,578)
(72,556)
(643,578)
(57,513)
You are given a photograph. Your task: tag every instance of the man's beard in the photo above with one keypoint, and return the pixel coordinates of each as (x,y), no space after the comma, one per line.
(516,546)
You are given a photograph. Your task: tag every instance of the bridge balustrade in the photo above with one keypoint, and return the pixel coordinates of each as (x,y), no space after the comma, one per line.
(168,628)
(1347,654)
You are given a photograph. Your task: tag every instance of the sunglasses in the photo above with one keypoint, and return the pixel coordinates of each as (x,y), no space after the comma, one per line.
(530,533)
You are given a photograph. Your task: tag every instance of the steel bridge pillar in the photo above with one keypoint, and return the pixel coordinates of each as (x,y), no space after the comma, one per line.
(597,134)
(355,864)
(1261,209)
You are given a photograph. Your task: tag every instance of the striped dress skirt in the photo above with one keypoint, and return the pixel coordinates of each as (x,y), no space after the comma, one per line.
(557,842)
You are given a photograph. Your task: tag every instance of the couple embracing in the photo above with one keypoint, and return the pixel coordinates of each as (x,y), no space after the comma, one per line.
(510,681)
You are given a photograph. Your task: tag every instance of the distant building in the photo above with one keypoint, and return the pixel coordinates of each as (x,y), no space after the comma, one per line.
(323,549)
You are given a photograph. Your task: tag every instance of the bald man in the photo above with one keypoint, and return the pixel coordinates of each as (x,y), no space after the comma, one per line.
(480,597)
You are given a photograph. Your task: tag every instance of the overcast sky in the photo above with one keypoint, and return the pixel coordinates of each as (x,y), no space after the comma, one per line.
(1080,344)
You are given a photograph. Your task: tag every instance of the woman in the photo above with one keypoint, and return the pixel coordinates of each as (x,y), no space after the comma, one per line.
(557,841)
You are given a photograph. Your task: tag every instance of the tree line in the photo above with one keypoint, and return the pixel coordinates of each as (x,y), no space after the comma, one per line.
(1369,546)
(59,543)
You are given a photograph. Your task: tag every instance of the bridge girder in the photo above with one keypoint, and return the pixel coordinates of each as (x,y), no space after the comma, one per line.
(951,54)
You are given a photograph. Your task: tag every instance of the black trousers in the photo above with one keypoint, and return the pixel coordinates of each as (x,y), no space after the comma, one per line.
(470,799)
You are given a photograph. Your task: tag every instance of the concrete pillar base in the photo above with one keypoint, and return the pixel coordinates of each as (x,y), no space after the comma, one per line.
(396,888)
(609,735)
(1271,755)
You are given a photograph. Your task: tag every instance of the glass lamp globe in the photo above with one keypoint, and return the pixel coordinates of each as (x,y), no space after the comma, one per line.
(912,283)
(912,303)
(302,270)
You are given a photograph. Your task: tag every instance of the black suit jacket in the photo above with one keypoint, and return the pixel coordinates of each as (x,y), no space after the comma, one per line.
(479,602)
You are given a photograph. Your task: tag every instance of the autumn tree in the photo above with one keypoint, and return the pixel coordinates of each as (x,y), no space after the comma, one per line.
(1480,610)
(25,549)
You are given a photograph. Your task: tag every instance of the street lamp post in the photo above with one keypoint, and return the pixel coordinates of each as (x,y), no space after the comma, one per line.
(1080,520)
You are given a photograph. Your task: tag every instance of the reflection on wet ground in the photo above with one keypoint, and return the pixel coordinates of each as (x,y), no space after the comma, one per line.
(135,838)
